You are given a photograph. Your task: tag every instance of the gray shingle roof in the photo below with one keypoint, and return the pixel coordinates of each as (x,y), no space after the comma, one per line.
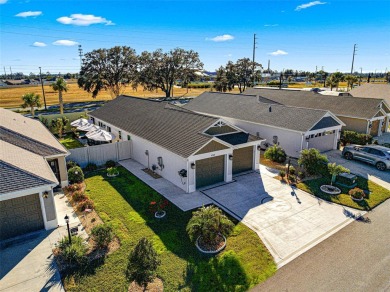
(15,179)
(173,128)
(27,143)
(372,90)
(33,129)
(325,122)
(349,106)
(248,108)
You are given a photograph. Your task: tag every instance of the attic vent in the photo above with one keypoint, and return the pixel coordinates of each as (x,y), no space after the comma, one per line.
(270,109)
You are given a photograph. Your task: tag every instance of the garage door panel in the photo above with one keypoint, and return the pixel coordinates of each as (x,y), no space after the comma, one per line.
(210,171)
(19,216)
(242,159)
(322,143)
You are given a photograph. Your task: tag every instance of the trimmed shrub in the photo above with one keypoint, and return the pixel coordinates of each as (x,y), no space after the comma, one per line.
(71,188)
(75,175)
(110,163)
(292,170)
(79,196)
(74,253)
(112,171)
(357,193)
(282,173)
(70,164)
(353,137)
(85,204)
(301,175)
(102,235)
(91,167)
(312,161)
(276,154)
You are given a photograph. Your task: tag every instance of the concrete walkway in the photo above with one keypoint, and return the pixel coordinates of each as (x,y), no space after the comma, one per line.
(27,262)
(173,193)
(288,221)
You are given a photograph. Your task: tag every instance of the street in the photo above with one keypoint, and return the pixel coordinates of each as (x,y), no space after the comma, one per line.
(357,258)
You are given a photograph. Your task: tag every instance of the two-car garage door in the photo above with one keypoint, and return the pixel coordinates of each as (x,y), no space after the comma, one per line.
(323,142)
(210,171)
(20,215)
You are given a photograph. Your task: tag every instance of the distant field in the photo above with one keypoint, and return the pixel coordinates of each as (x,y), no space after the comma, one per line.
(11,97)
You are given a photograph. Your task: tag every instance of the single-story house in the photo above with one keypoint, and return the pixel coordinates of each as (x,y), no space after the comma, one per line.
(190,150)
(372,90)
(293,128)
(32,163)
(363,115)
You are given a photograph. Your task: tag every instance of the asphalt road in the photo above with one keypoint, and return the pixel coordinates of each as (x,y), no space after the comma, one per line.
(357,258)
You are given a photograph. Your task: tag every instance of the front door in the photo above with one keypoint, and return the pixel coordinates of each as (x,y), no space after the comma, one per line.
(54,167)
(374,128)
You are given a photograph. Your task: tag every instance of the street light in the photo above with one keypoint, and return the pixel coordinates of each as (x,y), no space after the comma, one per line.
(67,225)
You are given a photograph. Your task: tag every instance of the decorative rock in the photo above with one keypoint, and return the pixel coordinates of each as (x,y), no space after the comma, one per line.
(331,190)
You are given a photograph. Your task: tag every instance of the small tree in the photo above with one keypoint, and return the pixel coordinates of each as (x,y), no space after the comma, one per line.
(208,223)
(31,100)
(312,160)
(58,125)
(275,153)
(75,175)
(351,80)
(335,170)
(143,263)
(102,235)
(60,86)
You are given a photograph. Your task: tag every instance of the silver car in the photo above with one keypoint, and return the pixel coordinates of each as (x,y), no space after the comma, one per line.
(373,154)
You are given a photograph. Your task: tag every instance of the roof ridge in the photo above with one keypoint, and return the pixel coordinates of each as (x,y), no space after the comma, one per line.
(187,111)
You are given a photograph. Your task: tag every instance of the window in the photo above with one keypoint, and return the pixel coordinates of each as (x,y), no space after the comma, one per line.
(109,129)
(120,134)
(376,152)
(93,120)
(275,139)
(128,137)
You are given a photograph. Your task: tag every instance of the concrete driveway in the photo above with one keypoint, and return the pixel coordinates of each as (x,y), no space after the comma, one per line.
(360,168)
(289,221)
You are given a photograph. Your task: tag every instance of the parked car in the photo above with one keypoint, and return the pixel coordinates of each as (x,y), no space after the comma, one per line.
(373,154)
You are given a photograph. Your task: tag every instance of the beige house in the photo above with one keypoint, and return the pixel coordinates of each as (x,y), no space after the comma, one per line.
(363,115)
(32,163)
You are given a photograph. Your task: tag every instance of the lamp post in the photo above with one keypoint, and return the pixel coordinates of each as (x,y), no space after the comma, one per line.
(67,225)
(288,168)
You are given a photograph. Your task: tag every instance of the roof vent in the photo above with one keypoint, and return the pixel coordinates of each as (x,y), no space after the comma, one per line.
(270,109)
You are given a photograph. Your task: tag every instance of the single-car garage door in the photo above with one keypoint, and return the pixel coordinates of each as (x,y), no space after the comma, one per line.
(242,159)
(322,143)
(19,216)
(210,171)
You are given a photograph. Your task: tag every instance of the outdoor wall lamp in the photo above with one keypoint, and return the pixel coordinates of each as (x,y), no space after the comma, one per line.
(230,156)
(258,147)
(146,152)
(307,138)
(193,165)
(45,195)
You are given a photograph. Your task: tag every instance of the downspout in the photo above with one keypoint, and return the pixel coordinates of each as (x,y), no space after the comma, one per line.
(303,135)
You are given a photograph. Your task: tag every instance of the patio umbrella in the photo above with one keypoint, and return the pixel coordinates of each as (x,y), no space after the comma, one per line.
(88,127)
(100,135)
(79,122)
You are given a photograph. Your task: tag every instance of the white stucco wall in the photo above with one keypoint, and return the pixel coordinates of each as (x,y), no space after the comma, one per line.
(290,141)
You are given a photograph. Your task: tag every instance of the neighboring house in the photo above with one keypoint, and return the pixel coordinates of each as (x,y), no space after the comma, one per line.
(292,128)
(32,163)
(372,90)
(188,149)
(363,115)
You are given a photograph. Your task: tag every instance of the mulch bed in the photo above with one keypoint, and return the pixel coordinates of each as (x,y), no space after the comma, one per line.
(151,173)
(155,286)
(211,246)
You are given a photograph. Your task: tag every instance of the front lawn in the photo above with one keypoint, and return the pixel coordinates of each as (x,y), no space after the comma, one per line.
(124,202)
(377,194)
(70,142)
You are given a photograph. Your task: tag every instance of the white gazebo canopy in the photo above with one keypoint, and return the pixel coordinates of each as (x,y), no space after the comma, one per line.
(88,127)
(100,135)
(80,122)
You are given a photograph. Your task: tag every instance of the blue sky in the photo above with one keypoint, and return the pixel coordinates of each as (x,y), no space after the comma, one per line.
(291,34)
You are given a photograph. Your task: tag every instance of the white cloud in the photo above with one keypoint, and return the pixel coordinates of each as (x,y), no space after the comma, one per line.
(29,13)
(310,4)
(221,38)
(228,55)
(39,44)
(271,25)
(278,53)
(66,43)
(84,20)
(3,1)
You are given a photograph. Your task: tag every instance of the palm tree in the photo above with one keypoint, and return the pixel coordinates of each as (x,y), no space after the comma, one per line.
(31,100)
(339,77)
(335,170)
(351,80)
(60,86)
(331,82)
(208,223)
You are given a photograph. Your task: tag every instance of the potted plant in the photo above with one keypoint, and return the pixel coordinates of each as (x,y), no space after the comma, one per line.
(357,194)
(157,208)
(209,228)
(112,171)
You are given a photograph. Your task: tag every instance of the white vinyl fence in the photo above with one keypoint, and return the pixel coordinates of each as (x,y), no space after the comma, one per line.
(99,154)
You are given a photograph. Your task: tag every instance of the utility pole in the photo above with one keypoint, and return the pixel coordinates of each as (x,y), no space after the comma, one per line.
(10,69)
(5,73)
(353,57)
(81,56)
(253,59)
(43,90)
(361,73)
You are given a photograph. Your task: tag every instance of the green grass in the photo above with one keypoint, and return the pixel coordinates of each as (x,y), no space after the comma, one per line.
(70,142)
(124,202)
(377,194)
